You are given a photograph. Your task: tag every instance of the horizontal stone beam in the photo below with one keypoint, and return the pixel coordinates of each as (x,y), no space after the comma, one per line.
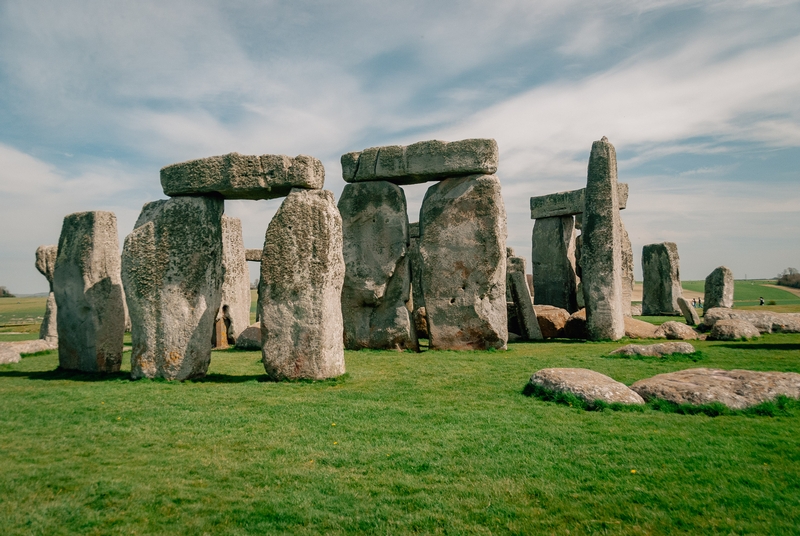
(568,203)
(237,176)
(421,162)
(253,255)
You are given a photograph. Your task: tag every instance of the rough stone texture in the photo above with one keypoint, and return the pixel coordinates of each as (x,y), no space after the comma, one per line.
(553,263)
(737,389)
(688,311)
(415,260)
(253,255)
(601,254)
(377,278)
(627,270)
(11,352)
(301,277)
(585,384)
(731,329)
(172,270)
(718,289)
(662,280)
(575,328)
(48,331)
(463,250)
(569,203)
(88,293)
(517,285)
(420,316)
(636,310)
(676,331)
(655,350)
(237,176)
(551,320)
(639,329)
(421,162)
(46,264)
(250,338)
(765,321)
(234,306)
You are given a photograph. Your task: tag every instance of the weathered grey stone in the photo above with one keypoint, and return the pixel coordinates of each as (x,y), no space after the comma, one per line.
(48,331)
(737,389)
(420,316)
(585,384)
(764,321)
(718,289)
(553,263)
(655,350)
(415,260)
(639,329)
(421,162)
(250,338)
(688,311)
(636,309)
(234,308)
(627,270)
(676,331)
(377,280)
(301,277)
(569,203)
(253,255)
(551,320)
(46,262)
(575,328)
(88,292)
(237,176)
(11,352)
(517,285)
(662,280)
(172,270)
(732,329)
(463,249)
(601,255)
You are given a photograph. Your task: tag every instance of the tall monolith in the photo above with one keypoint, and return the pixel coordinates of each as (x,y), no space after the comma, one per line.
(718,289)
(661,286)
(627,270)
(234,310)
(46,263)
(553,262)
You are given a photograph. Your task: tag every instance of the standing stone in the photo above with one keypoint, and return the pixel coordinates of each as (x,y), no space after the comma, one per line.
(377,280)
(601,253)
(88,292)
(172,270)
(418,297)
(719,289)
(463,249)
(46,263)
(627,271)
(689,312)
(662,279)
(517,286)
(553,263)
(302,274)
(234,309)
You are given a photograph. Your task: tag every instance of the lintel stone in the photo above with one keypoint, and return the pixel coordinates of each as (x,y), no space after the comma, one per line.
(569,203)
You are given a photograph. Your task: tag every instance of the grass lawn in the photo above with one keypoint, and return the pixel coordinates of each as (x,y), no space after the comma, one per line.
(434,442)
(746,294)
(22,310)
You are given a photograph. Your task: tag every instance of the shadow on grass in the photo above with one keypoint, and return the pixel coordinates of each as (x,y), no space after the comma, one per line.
(61,374)
(693,357)
(761,346)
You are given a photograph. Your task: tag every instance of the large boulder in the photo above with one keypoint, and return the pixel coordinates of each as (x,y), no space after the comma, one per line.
(250,338)
(575,328)
(302,273)
(421,162)
(463,250)
(11,352)
(732,329)
(662,281)
(737,389)
(676,331)
(551,320)
(586,384)
(237,176)
(234,307)
(377,278)
(553,262)
(639,329)
(172,270)
(689,312)
(88,293)
(718,289)
(601,251)
(765,321)
(655,350)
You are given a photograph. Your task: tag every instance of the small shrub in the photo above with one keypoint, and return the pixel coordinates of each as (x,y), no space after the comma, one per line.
(790,280)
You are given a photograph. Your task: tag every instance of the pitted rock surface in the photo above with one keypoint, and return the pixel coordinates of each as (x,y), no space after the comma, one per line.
(655,350)
(662,281)
(676,331)
(586,384)
(553,262)
(250,338)
(765,321)
(520,294)
(253,255)
(46,262)
(718,289)
(235,300)
(639,329)
(737,389)
(732,329)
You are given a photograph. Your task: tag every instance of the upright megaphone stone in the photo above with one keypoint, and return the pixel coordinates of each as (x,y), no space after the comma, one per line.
(377,280)
(553,263)
(46,263)
(172,270)
(302,272)
(234,308)
(661,287)
(718,289)
(601,252)
(88,292)
(463,250)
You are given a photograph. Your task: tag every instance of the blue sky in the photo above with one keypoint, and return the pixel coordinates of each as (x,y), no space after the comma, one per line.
(701,99)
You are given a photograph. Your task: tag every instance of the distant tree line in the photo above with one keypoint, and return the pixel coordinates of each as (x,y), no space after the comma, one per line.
(790,277)
(4,293)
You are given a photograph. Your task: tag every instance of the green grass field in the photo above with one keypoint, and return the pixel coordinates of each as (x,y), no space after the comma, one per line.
(747,293)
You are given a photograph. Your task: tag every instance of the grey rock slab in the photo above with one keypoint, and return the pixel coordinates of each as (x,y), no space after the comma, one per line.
(732,329)
(688,311)
(415,260)
(676,331)
(48,331)
(172,270)
(250,338)
(639,329)
(517,285)
(237,176)
(655,350)
(88,291)
(601,253)
(718,289)
(302,275)
(555,281)
(253,255)
(570,203)
(737,389)
(377,280)
(46,262)
(552,320)
(764,321)
(463,250)
(627,270)
(421,162)
(12,352)
(235,301)
(586,384)
(662,281)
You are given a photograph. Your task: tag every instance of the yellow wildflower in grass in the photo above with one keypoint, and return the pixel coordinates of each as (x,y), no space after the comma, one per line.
(633,471)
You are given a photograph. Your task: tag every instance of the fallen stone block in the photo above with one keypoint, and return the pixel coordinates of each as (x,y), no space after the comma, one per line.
(250,338)
(765,321)
(552,320)
(655,350)
(575,328)
(689,312)
(12,352)
(731,329)
(585,384)
(639,329)
(676,331)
